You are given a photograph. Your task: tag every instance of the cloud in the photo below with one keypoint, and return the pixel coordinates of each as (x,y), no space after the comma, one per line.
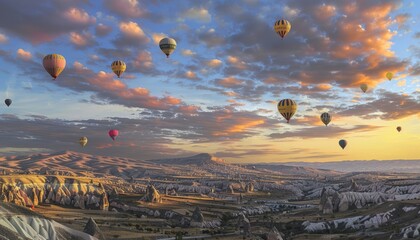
(388,106)
(102,30)
(401,20)
(3,38)
(157,37)
(214,63)
(229,82)
(187,52)
(322,132)
(327,48)
(126,8)
(24,55)
(37,26)
(199,14)
(191,75)
(131,35)
(143,62)
(82,40)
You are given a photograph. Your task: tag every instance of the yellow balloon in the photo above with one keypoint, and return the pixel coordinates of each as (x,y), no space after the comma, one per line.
(287,108)
(364,87)
(83,141)
(282,27)
(118,67)
(389,75)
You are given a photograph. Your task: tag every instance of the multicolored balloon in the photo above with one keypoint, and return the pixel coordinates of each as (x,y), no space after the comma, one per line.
(364,87)
(326,118)
(342,143)
(167,45)
(83,141)
(54,64)
(8,101)
(399,129)
(287,108)
(282,27)
(389,75)
(113,133)
(118,67)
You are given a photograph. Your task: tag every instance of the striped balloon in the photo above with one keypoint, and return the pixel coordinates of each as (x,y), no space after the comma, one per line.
(287,108)
(54,64)
(167,45)
(118,67)
(282,27)
(326,118)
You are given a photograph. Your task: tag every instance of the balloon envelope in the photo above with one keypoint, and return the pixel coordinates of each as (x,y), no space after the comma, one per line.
(364,87)
(389,75)
(8,101)
(118,67)
(342,143)
(326,118)
(113,133)
(54,64)
(399,129)
(167,45)
(83,141)
(287,108)
(282,27)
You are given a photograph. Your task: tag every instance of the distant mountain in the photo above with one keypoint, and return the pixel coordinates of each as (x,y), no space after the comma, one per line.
(403,166)
(296,170)
(71,163)
(199,159)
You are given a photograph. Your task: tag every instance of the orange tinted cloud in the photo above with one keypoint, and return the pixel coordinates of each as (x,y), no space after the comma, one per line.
(79,16)
(229,82)
(242,126)
(24,55)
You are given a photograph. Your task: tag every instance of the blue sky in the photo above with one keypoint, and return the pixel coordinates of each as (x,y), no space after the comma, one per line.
(218,91)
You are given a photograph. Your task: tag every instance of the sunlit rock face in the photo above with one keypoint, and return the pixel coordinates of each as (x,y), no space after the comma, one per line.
(20,223)
(92,229)
(341,202)
(64,191)
(152,195)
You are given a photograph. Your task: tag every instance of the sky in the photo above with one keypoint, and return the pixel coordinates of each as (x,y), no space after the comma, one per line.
(218,91)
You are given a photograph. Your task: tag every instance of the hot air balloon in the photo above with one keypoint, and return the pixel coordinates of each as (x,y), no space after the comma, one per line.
(364,87)
(167,45)
(54,64)
(118,67)
(287,108)
(326,118)
(342,143)
(399,129)
(113,134)
(389,75)
(8,101)
(83,141)
(282,27)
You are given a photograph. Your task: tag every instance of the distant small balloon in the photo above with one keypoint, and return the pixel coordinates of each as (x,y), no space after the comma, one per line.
(282,27)
(326,118)
(399,129)
(8,101)
(54,64)
(364,87)
(389,75)
(342,143)
(167,45)
(287,108)
(113,134)
(83,141)
(118,67)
